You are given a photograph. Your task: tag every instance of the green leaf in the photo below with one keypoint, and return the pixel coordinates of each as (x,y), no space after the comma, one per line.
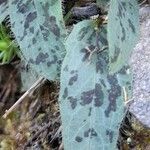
(123,28)
(91,100)
(3,45)
(39,30)
(3,9)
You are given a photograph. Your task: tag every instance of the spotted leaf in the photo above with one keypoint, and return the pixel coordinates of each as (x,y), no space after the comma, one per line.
(91,100)
(39,30)
(3,9)
(123,31)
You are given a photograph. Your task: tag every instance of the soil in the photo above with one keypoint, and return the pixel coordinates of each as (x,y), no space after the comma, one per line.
(35,124)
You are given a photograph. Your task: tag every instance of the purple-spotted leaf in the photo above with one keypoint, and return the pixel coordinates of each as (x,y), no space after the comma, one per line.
(3,9)
(123,28)
(91,100)
(39,30)
(28,75)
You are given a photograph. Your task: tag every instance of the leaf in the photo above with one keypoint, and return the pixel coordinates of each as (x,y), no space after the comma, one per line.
(123,28)
(3,9)
(28,76)
(39,30)
(91,100)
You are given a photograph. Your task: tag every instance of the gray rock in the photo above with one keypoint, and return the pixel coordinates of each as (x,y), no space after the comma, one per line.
(140,64)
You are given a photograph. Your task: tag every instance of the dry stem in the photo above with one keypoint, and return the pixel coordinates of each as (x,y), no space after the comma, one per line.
(36,85)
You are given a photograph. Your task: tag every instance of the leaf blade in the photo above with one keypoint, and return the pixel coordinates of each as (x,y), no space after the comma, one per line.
(3,9)
(123,30)
(91,100)
(40,34)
